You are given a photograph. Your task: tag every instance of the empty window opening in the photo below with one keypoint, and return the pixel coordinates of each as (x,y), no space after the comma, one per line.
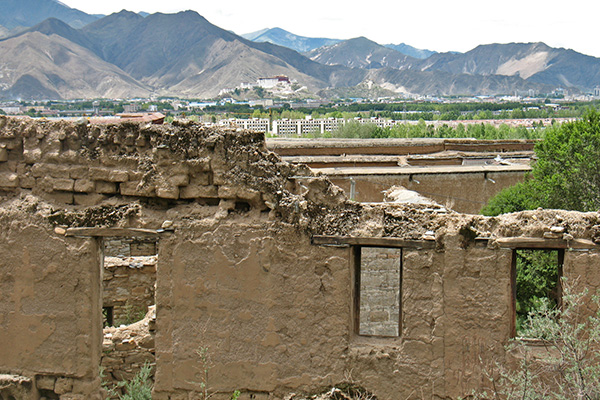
(128,297)
(129,278)
(378,291)
(536,276)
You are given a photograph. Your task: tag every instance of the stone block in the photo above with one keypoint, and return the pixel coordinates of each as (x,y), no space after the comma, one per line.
(166,192)
(3,154)
(135,175)
(9,180)
(50,170)
(180,180)
(84,186)
(108,174)
(27,182)
(139,358)
(65,185)
(32,156)
(106,187)
(227,192)
(78,172)
(236,192)
(40,170)
(90,199)
(118,176)
(199,178)
(63,385)
(195,192)
(125,345)
(134,189)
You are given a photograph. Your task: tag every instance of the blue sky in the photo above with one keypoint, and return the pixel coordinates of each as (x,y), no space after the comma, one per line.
(439,25)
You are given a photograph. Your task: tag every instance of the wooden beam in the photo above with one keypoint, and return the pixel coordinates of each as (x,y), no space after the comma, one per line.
(320,240)
(107,232)
(541,243)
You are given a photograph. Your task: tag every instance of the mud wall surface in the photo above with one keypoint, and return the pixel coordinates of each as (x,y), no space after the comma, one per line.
(270,310)
(49,313)
(256,274)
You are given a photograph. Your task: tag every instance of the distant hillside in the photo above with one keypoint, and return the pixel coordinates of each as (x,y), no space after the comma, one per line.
(535,62)
(53,26)
(36,66)
(360,53)
(441,83)
(284,38)
(411,51)
(26,13)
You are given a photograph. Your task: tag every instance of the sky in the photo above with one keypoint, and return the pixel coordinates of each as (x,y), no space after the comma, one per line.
(440,25)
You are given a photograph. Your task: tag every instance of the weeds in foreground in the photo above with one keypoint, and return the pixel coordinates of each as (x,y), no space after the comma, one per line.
(138,388)
(569,365)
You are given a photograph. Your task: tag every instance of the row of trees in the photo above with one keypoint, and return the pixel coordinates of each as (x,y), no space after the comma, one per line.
(423,130)
(565,175)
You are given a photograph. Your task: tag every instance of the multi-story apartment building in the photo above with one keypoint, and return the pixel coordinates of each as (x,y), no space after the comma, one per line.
(252,124)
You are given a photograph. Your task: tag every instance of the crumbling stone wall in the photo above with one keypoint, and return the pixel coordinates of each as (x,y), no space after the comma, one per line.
(128,287)
(244,282)
(129,247)
(125,350)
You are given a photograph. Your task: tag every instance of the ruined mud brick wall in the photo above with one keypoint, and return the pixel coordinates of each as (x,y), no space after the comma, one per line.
(447,189)
(49,321)
(128,287)
(242,276)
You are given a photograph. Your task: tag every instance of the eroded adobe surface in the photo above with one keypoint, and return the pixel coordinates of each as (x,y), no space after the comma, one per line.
(244,272)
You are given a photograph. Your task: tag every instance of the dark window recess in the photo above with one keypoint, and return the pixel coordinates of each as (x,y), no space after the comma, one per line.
(377,304)
(107,316)
(536,281)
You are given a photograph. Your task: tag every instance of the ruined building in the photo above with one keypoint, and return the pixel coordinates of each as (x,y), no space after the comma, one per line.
(266,275)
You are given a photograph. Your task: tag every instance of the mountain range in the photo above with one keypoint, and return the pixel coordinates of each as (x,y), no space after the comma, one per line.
(129,55)
(26,13)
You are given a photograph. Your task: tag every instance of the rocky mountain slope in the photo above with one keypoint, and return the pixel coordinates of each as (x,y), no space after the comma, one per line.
(26,13)
(361,53)
(535,62)
(37,66)
(287,39)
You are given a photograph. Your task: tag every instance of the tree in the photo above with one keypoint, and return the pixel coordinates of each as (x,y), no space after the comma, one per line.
(565,176)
